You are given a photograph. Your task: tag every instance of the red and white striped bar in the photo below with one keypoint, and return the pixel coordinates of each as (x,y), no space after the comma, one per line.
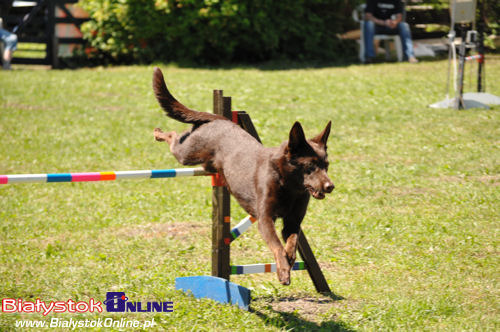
(102,176)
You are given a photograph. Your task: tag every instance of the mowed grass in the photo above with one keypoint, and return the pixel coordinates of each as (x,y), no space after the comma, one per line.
(408,240)
(30,50)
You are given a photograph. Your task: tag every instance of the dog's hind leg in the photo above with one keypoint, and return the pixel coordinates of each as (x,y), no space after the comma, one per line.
(169,137)
(187,151)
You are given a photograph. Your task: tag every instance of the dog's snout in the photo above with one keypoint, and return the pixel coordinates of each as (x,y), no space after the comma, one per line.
(328,187)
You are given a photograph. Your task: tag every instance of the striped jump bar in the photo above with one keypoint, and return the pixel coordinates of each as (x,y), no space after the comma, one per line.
(242,227)
(262,268)
(102,176)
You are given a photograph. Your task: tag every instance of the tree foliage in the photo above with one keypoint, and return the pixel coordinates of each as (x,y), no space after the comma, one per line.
(217,31)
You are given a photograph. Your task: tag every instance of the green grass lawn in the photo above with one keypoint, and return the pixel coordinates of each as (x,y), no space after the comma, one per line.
(30,50)
(408,239)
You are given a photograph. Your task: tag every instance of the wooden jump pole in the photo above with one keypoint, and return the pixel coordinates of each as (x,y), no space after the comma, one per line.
(221,213)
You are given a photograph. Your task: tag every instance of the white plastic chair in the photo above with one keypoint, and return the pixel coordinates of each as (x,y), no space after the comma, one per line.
(357,15)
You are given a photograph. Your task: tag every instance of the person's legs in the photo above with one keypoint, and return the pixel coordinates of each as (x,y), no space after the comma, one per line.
(405,35)
(10,41)
(403,30)
(368,35)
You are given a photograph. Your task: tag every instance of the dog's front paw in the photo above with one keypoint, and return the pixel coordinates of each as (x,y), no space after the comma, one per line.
(291,258)
(283,269)
(291,248)
(284,277)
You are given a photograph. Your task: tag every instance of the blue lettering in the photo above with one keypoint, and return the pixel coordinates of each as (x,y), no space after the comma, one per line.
(156,307)
(114,302)
(139,309)
(118,302)
(131,306)
(168,306)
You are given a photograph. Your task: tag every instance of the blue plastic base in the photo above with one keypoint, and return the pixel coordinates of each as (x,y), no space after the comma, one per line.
(215,288)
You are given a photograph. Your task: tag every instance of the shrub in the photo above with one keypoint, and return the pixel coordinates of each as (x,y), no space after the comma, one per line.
(213,31)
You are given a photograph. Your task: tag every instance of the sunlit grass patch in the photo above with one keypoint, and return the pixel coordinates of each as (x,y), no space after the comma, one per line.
(408,240)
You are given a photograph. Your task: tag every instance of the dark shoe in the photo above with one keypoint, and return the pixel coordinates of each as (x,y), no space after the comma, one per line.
(368,61)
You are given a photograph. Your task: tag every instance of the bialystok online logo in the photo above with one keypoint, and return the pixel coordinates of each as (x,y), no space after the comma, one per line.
(118,302)
(115,302)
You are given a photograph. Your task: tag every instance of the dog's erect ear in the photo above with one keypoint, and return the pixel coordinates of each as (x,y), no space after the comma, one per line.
(322,138)
(297,142)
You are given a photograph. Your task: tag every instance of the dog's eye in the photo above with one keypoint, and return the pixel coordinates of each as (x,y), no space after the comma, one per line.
(324,164)
(310,169)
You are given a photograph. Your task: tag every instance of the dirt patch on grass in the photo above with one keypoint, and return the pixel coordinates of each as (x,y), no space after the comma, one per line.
(366,158)
(26,107)
(309,308)
(492,180)
(352,158)
(177,231)
(111,108)
(405,191)
(172,230)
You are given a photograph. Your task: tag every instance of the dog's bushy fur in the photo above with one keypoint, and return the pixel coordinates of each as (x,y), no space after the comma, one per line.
(268,183)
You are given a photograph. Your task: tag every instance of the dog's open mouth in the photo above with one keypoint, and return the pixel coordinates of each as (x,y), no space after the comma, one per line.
(316,193)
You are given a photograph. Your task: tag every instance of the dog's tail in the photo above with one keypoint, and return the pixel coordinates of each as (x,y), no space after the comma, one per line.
(176,110)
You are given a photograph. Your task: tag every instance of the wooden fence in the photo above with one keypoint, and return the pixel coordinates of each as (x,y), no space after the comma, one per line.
(52,23)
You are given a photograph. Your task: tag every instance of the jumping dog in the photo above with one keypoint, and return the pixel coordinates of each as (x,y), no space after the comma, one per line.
(268,183)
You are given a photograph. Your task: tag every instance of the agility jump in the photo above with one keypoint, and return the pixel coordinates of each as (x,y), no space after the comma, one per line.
(239,229)
(218,286)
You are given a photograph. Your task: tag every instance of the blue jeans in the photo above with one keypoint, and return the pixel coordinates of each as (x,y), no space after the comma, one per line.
(370,29)
(9,39)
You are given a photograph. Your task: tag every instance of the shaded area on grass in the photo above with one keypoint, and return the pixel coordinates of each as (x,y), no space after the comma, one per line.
(301,313)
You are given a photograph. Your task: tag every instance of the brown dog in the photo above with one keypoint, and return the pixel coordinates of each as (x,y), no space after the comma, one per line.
(267,182)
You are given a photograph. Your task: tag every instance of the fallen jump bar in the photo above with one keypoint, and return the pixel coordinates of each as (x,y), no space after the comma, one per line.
(102,176)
